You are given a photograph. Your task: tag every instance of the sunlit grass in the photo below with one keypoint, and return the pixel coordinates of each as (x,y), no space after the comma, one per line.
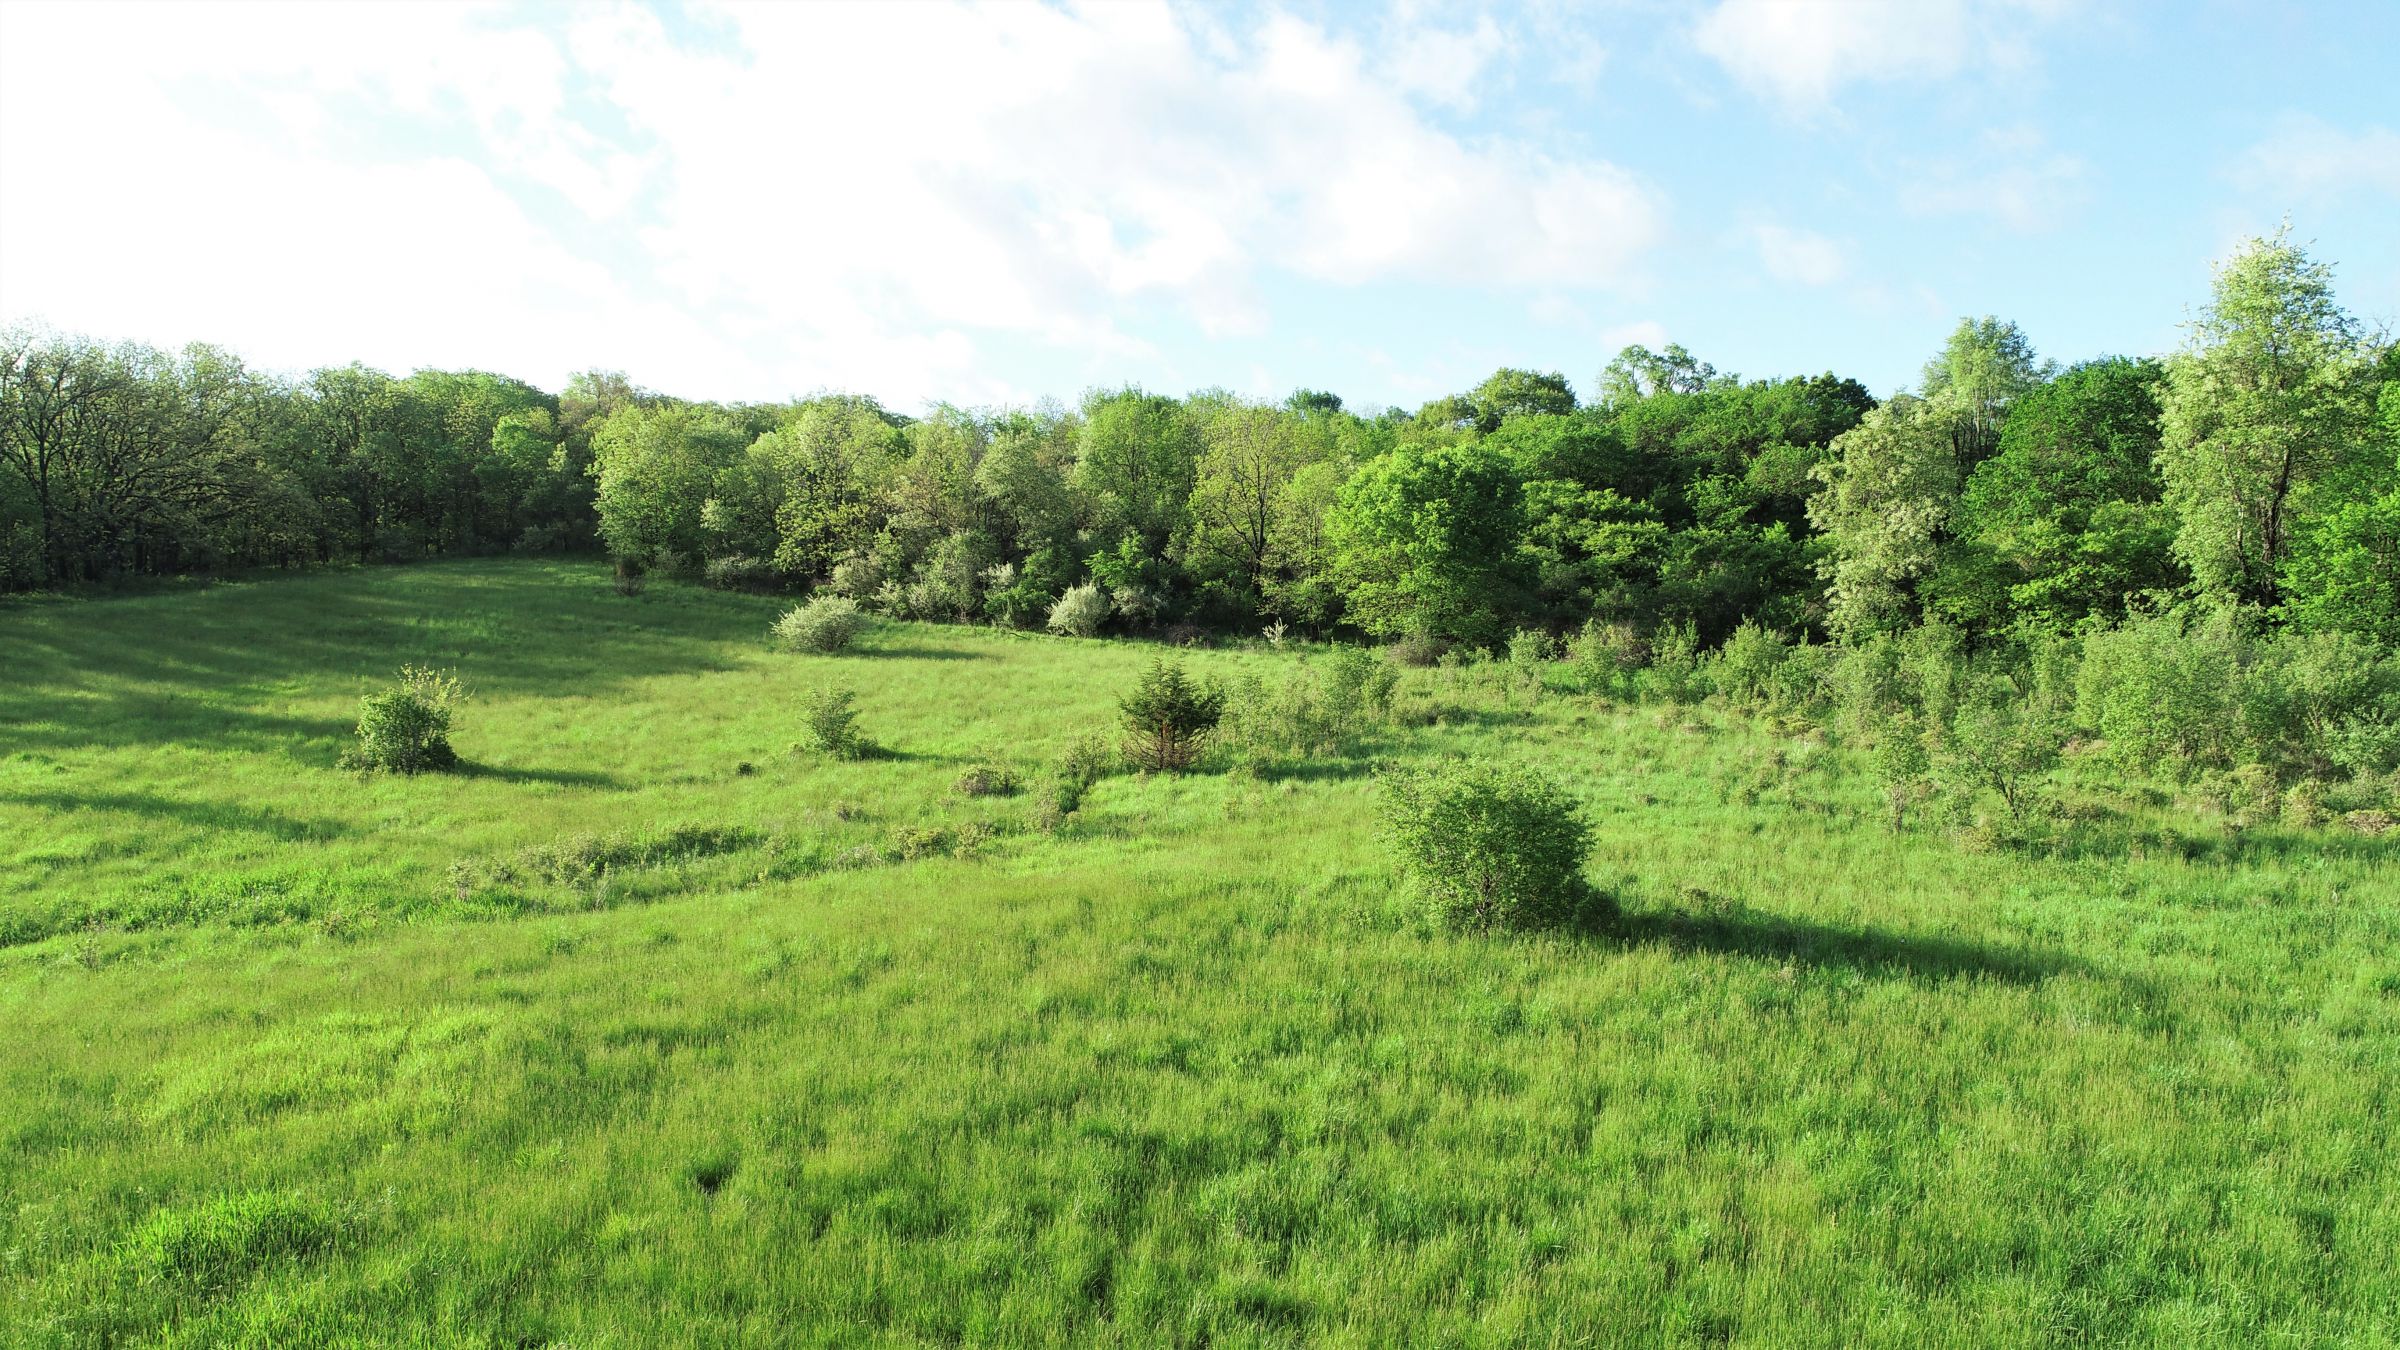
(285,1064)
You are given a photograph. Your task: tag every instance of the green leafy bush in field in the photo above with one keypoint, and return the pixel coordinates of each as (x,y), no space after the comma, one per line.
(986,780)
(830,724)
(1747,664)
(1067,778)
(824,625)
(741,572)
(1605,656)
(1490,845)
(1081,612)
(1357,687)
(1169,718)
(407,729)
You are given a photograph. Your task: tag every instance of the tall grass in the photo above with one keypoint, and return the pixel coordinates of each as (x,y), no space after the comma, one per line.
(607,1042)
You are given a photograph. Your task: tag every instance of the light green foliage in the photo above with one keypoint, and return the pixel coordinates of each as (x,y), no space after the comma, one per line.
(1512,393)
(1888,492)
(1489,845)
(1321,709)
(1425,541)
(1983,369)
(1169,719)
(829,723)
(1747,665)
(2265,404)
(835,462)
(656,465)
(1530,652)
(406,729)
(1136,460)
(1082,611)
(824,624)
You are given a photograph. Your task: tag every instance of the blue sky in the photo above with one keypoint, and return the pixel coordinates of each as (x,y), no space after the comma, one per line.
(992,204)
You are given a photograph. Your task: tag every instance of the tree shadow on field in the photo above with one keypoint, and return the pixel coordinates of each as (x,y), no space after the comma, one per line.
(212,816)
(1736,930)
(196,666)
(583,778)
(912,651)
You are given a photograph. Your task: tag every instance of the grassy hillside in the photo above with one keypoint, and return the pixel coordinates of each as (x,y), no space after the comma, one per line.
(645,1030)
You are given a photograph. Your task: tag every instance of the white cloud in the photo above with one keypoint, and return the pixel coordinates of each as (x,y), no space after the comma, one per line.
(1801,53)
(2309,160)
(1445,65)
(1800,256)
(873,196)
(2012,177)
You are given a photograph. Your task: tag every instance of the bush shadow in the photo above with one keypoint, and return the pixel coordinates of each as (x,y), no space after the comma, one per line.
(1735,930)
(200,815)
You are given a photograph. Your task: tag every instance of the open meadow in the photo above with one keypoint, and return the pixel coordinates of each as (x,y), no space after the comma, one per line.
(646,1029)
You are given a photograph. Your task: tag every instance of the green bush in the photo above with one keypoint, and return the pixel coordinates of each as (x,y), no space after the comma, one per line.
(1168,719)
(2164,691)
(407,729)
(830,724)
(741,572)
(1746,666)
(1083,763)
(824,625)
(987,780)
(1082,611)
(1605,656)
(1490,845)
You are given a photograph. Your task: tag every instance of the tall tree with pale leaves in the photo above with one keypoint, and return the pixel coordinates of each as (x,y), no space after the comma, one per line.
(2269,398)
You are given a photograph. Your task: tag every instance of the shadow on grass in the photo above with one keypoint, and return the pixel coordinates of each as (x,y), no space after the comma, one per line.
(910,651)
(199,815)
(512,774)
(1737,931)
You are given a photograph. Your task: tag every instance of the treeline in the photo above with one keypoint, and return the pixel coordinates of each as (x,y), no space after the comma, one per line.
(2256,469)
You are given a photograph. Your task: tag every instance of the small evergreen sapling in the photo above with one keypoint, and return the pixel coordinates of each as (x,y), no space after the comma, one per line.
(1169,718)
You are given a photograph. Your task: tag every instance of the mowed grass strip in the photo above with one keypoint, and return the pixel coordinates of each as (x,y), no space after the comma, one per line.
(1187,1072)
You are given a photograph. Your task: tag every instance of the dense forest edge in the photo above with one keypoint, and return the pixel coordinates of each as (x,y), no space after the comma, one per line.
(2191,562)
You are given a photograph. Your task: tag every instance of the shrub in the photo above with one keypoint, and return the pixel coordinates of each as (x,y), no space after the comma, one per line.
(2006,741)
(1082,611)
(1084,762)
(1673,673)
(1418,649)
(1605,656)
(1489,845)
(630,573)
(1168,719)
(826,624)
(1357,688)
(407,729)
(1529,652)
(1747,664)
(741,572)
(987,780)
(2162,690)
(830,724)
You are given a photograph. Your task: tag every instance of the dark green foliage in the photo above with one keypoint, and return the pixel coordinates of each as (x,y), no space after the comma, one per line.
(1489,845)
(407,729)
(1169,719)
(2065,522)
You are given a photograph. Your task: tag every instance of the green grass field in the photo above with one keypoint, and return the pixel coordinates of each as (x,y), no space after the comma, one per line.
(829,1054)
